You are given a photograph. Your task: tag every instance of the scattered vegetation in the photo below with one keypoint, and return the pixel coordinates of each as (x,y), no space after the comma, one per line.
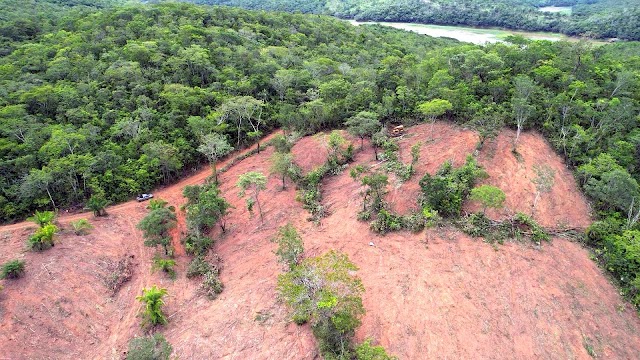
(310,193)
(517,227)
(153,347)
(12,269)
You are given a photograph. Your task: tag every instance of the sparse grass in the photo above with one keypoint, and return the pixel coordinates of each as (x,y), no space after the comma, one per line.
(12,269)
(263,316)
(586,342)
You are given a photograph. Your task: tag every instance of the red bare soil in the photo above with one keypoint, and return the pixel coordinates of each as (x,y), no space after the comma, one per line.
(438,294)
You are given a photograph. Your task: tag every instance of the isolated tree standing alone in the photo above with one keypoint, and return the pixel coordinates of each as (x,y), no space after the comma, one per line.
(363,125)
(434,108)
(214,146)
(256,182)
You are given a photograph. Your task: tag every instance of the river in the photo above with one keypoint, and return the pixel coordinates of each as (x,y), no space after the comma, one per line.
(470,34)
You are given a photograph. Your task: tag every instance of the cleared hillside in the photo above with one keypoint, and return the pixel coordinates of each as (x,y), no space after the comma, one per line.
(437,294)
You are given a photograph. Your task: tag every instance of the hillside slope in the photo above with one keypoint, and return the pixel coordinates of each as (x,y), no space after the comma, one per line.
(438,294)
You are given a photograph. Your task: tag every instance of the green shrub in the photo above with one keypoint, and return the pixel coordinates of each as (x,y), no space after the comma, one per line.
(42,218)
(386,222)
(290,247)
(211,284)
(165,265)
(197,245)
(42,239)
(414,222)
(538,234)
(323,291)
(153,347)
(366,351)
(622,258)
(198,266)
(81,227)
(152,314)
(446,190)
(599,230)
(12,269)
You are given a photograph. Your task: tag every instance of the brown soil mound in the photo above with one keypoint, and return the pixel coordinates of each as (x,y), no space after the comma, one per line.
(437,294)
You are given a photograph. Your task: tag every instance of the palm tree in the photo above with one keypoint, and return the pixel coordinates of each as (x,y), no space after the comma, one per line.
(152,298)
(42,218)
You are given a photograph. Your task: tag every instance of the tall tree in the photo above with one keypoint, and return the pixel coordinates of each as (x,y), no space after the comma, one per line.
(282,165)
(214,146)
(255,182)
(363,125)
(523,88)
(434,108)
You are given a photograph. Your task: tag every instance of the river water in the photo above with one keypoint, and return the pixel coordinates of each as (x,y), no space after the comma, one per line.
(469,34)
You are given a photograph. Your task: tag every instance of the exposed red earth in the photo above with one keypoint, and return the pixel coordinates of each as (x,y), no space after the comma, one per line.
(434,295)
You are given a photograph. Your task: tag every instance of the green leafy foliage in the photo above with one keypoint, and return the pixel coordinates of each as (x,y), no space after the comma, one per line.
(214,146)
(42,239)
(622,257)
(445,191)
(254,182)
(152,314)
(205,208)
(165,265)
(157,225)
(198,267)
(42,218)
(97,203)
(81,226)
(322,291)
(12,269)
(290,246)
(363,125)
(366,351)
(282,165)
(153,347)
(211,284)
(488,196)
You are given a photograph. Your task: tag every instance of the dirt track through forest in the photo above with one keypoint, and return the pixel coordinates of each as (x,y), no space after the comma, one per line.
(436,295)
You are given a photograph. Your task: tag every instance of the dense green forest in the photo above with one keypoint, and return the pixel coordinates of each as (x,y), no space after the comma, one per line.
(592,18)
(114,102)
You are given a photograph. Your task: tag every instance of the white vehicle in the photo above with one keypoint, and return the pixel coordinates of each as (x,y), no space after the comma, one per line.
(143,197)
